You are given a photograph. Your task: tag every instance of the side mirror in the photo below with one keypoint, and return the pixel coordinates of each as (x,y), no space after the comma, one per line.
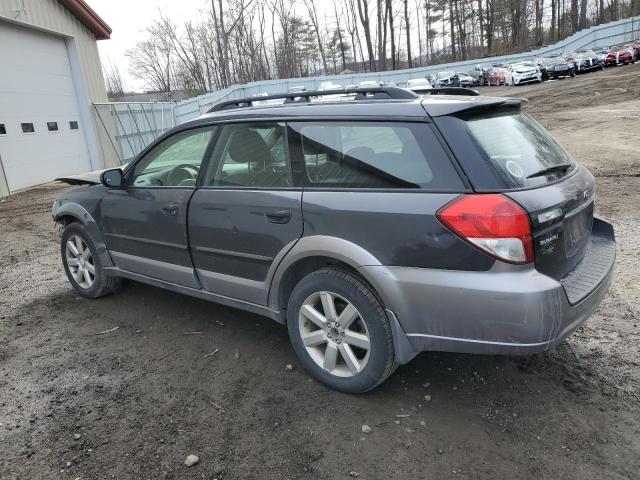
(113,178)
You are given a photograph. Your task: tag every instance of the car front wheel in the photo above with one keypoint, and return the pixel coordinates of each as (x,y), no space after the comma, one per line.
(82,263)
(340,331)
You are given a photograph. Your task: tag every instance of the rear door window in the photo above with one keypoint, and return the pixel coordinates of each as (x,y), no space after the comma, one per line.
(519,149)
(372,155)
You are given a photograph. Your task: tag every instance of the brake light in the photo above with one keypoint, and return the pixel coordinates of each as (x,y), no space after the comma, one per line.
(492,223)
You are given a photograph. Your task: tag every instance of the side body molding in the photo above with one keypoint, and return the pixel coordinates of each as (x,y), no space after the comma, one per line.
(63,208)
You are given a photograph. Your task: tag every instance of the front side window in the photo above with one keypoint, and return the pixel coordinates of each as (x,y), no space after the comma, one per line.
(249,155)
(174,162)
(373,155)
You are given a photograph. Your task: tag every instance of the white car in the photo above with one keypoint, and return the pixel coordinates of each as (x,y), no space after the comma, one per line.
(329,86)
(419,85)
(520,73)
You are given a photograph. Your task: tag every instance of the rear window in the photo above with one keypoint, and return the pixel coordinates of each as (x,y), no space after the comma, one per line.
(373,155)
(521,151)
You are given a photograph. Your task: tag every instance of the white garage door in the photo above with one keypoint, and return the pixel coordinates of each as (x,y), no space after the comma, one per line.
(41,135)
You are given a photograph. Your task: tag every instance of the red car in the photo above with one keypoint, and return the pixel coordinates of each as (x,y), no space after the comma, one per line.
(621,55)
(496,77)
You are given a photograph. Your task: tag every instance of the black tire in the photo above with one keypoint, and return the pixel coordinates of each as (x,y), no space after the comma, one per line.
(103,284)
(381,361)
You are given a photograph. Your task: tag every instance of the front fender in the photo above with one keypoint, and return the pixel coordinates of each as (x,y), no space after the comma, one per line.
(65,208)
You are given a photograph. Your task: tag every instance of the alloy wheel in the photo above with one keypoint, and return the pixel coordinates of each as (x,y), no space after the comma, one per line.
(334,334)
(80,261)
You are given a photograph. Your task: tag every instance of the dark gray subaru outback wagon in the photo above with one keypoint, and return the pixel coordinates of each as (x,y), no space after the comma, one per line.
(375,225)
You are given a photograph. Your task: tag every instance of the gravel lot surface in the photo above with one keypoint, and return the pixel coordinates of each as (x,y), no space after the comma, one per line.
(181,377)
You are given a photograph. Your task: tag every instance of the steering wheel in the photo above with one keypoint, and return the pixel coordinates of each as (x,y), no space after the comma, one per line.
(182,175)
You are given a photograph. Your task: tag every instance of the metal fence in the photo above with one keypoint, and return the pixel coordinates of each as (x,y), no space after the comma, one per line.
(132,126)
(136,124)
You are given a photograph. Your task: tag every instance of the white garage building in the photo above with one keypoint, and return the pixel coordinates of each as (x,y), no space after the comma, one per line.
(50,74)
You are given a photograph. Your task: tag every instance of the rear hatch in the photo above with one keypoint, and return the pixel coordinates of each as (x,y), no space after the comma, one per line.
(529,166)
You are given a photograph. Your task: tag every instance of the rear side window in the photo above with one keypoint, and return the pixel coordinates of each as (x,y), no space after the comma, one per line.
(372,155)
(520,150)
(249,155)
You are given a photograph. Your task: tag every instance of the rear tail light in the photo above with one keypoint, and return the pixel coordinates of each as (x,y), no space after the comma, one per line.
(492,223)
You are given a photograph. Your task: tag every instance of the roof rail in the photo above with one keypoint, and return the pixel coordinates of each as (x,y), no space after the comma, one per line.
(452,91)
(376,93)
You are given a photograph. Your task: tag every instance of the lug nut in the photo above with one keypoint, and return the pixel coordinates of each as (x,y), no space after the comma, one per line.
(342,334)
(338,341)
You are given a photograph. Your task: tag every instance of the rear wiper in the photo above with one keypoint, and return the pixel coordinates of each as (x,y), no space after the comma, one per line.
(555,168)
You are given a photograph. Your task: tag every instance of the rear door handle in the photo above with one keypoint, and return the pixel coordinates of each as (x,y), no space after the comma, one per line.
(170,209)
(278,216)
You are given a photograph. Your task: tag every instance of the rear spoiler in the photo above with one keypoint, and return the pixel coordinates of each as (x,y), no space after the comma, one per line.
(472,105)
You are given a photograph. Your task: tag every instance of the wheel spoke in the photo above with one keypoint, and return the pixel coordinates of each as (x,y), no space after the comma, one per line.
(315,316)
(330,357)
(79,245)
(314,338)
(77,275)
(329,306)
(90,267)
(357,339)
(350,358)
(348,315)
(71,246)
(72,262)
(87,276)
(86,254)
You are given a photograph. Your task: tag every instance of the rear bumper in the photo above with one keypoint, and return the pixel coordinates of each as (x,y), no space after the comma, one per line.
(507,310)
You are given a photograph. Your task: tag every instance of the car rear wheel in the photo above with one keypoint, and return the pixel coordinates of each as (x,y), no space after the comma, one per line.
(340,331)
(82,263)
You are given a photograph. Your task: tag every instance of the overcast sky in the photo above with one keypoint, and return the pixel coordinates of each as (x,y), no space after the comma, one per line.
(129,18)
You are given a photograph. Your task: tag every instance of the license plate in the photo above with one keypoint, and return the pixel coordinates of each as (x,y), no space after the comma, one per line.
(576,229)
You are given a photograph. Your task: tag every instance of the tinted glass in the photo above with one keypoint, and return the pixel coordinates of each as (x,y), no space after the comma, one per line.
(52,126)
(3,129)
(27,127)
(520,149)
(174,162)
(73,125)
(249,155)
(374,155)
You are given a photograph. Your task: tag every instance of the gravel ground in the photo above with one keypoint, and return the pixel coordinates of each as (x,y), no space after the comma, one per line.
(181,376)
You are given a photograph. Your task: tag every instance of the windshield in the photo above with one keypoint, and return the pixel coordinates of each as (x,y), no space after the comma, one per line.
(522,152)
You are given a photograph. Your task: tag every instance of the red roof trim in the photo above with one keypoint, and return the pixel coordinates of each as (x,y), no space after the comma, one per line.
(89,18)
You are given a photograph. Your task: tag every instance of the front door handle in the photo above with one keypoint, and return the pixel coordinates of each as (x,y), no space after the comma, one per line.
(278,216)
(170,209)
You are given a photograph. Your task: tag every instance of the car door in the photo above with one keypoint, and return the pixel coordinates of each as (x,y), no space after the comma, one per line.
(145,223)
(245,215)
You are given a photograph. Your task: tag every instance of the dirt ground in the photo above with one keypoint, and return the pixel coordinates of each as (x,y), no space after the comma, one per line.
(134,402)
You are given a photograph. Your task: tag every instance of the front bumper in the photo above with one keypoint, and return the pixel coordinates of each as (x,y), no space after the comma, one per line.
(509,309)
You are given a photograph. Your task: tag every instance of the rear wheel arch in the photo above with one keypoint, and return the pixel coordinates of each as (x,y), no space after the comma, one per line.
(314,253)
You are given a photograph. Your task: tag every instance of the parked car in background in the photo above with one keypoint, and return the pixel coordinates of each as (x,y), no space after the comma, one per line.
(297,89)
(636,51)
(329,86)
(465,80)
(375,83)
(496,76)
(584,60)
(419,85)
(446,79)
(619,55)
(601,53)
(479,74)
(520,73)
(555,66)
